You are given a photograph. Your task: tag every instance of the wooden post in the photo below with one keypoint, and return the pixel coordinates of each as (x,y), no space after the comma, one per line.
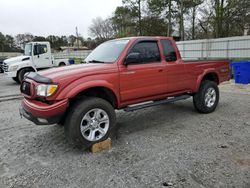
(104,145)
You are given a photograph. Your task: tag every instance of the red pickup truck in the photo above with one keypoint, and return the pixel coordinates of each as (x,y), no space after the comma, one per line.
(127,73)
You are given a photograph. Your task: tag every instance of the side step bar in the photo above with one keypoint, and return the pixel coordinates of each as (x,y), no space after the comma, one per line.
(149,104)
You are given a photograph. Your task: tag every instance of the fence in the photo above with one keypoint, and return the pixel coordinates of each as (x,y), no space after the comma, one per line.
(229,48)
(72,54)
(58,55)
(9,54)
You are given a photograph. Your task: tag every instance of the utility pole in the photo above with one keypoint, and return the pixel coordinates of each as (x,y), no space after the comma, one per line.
(77,38)
(139,14)
(181,21)
(169,17)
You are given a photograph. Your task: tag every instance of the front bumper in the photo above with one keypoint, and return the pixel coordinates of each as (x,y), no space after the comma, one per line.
(41,113)
(11,74)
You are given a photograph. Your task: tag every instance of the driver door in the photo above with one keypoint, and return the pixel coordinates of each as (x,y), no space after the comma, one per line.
(144,78)
(41,56)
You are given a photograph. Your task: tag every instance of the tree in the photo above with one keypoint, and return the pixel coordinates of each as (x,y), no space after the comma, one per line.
(22,39)
(225,18)
(2,42)
(39,38)
(162,9)
(123,22)
(71,40)
(135,7)
(194,4)
(154,26)
(102,29)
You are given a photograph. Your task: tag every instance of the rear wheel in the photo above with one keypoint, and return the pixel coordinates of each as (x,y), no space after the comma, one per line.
(207,98)
(89,121)
(62,64)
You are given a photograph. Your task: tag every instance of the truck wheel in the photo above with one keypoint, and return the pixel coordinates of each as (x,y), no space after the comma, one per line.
(62,64)
(21,74)
(207,98)
(16,79)
(89,121)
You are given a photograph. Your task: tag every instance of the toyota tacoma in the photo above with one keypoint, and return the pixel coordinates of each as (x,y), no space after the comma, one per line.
(127,73)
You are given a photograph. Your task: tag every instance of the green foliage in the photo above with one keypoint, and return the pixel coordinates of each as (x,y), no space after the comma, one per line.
(7,44)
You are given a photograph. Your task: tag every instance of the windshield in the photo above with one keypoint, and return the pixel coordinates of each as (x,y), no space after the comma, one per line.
(28,49)
(107,52)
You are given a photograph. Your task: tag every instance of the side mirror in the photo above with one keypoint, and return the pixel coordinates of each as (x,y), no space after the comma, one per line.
(171,57)
(132,58)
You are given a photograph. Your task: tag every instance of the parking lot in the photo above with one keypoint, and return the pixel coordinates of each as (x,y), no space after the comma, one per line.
(165,146)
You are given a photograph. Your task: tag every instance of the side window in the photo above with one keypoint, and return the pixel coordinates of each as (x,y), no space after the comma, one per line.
(148,50)
(169,50)
(40,49)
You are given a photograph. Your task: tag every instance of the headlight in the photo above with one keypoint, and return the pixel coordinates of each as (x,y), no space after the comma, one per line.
(45,90)
(13,68)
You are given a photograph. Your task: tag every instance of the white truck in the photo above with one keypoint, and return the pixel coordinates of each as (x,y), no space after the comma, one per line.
(37,56)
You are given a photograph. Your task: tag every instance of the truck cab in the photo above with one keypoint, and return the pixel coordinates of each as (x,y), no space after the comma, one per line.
(37,56)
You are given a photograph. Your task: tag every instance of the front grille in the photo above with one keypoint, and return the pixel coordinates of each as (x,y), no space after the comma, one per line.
(5,67)
(25,88)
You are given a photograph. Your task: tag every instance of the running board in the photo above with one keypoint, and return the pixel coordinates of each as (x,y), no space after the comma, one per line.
(149,104)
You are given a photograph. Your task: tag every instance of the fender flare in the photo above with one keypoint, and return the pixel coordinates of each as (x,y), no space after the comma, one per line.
(74,89)
(201,76)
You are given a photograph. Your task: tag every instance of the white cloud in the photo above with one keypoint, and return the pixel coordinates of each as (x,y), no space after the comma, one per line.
(58,17)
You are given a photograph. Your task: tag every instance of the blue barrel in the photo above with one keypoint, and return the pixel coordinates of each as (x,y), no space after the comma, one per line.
(71,61)
(241,72)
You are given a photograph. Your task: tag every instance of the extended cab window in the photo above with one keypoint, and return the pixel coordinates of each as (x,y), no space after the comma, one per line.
(148,50)
(169,51)
(40,49)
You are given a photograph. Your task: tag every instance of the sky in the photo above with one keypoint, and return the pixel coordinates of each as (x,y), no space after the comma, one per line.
(52,17)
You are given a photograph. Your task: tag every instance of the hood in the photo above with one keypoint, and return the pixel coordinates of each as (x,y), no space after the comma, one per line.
(16,59)
(74,72)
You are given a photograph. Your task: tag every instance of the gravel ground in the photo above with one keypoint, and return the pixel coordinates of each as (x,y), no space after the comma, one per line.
(8,86)
(164,146)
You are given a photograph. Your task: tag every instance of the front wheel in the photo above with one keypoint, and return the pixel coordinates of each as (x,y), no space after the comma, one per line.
(21,74)
(16,79)
(89,121)
(207,98)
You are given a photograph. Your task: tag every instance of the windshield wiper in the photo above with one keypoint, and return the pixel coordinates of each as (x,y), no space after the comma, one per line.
(95,61)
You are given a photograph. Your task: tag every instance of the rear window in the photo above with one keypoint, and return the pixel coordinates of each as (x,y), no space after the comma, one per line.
(169,51)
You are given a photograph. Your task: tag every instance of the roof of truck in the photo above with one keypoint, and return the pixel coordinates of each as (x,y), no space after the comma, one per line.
(143,37)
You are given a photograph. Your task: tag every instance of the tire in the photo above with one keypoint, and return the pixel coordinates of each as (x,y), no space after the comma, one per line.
(62,64)
(16,79)
(78,128)
(207,98)
(21,74)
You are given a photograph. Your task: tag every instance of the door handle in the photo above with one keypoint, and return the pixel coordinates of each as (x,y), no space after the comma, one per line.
(160,70)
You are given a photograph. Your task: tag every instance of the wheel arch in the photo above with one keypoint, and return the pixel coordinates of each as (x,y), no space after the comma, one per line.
(97,91)
(61,63)
(209,75)
(29,67)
